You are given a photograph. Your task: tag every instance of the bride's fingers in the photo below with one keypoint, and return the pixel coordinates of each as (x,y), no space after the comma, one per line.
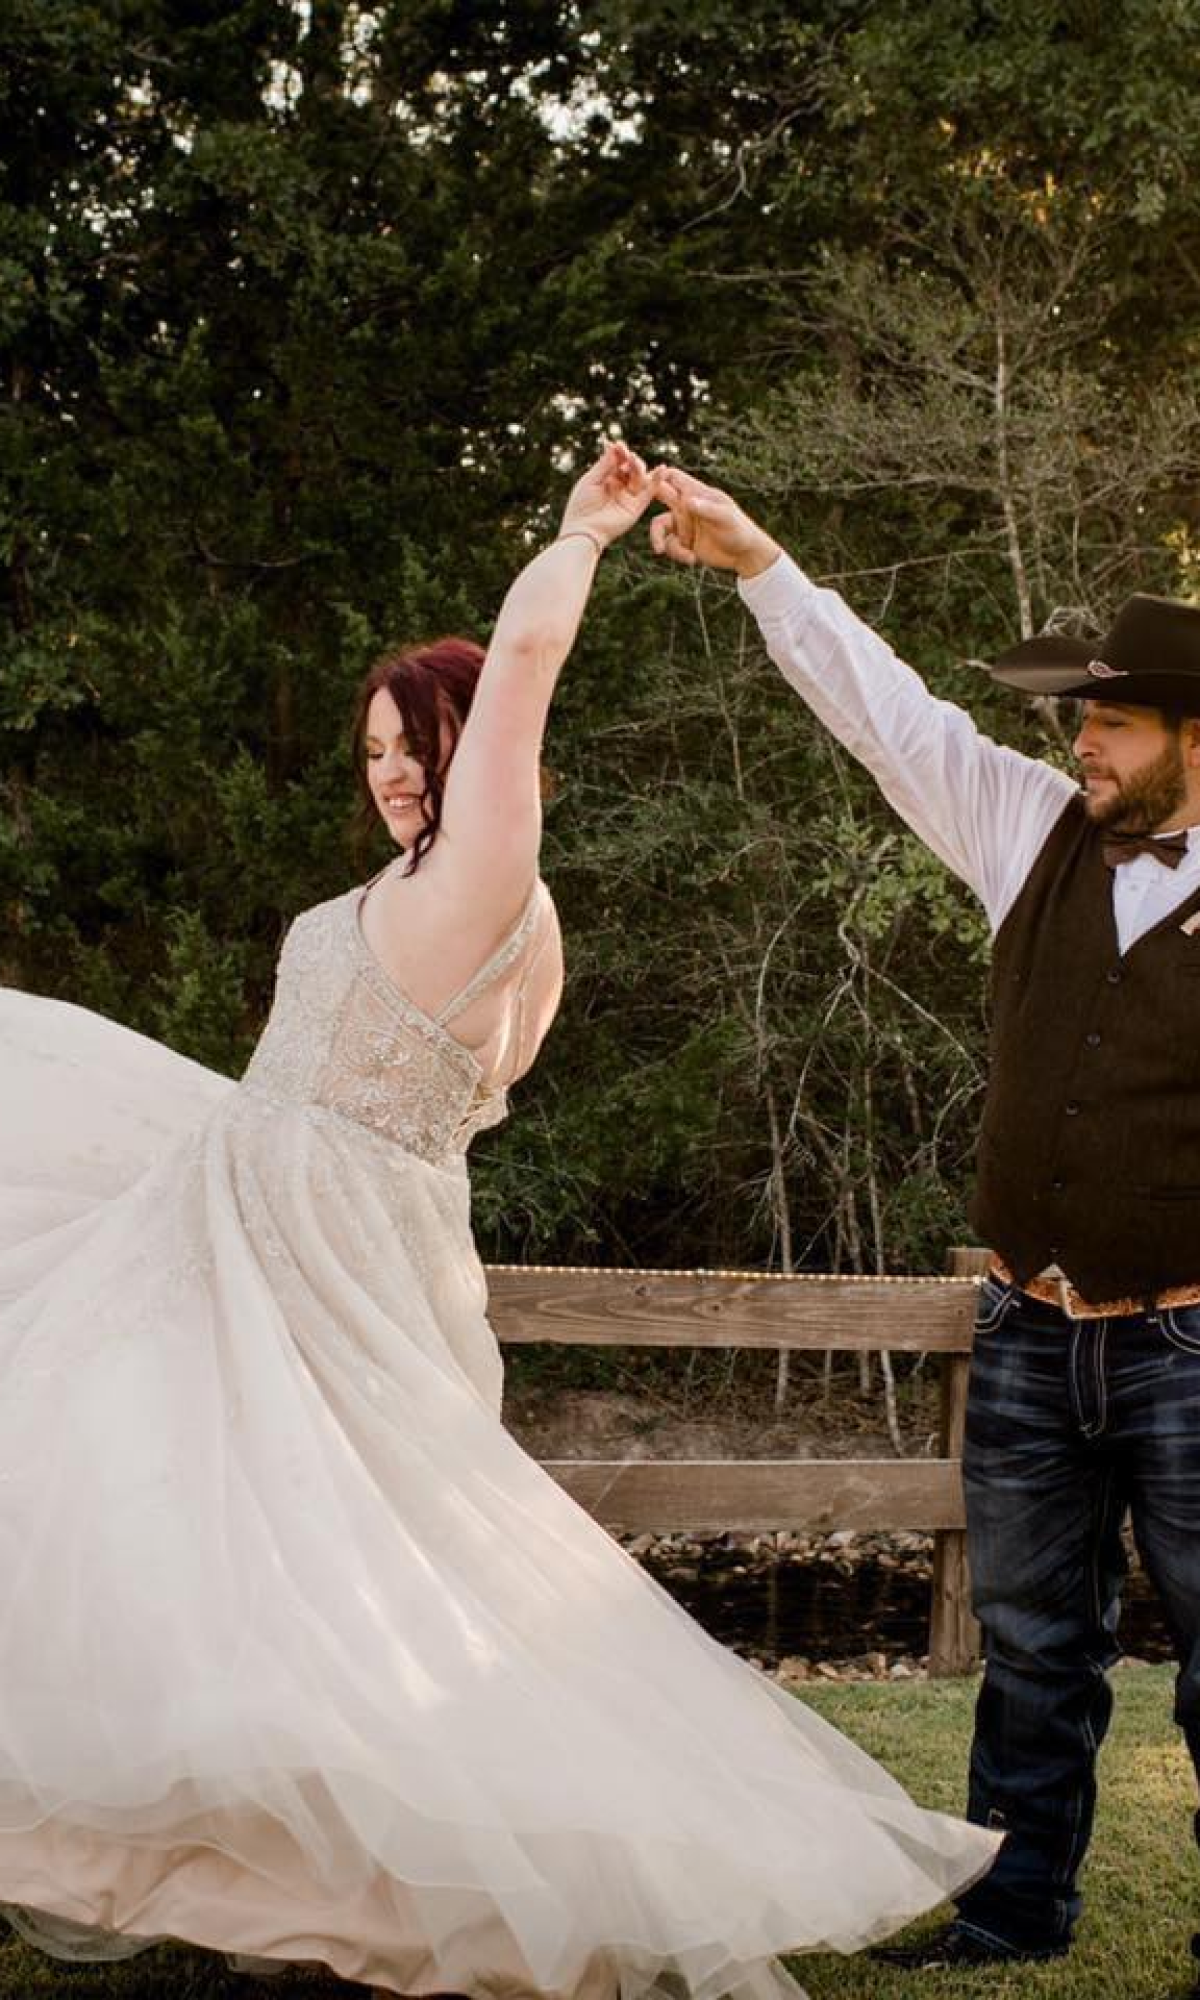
(631,473)
(629,468)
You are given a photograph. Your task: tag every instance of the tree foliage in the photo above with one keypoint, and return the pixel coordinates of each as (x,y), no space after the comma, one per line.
(306,313)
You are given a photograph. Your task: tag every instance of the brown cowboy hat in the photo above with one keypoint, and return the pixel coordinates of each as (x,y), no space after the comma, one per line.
(1149,657)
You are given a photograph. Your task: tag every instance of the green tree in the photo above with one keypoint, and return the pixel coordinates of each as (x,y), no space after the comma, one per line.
(303,311)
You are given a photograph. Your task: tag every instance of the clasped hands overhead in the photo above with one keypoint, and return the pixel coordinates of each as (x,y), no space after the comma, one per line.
(698,523)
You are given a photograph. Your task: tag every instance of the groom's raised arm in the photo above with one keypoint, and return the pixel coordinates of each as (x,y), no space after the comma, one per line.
(984,809)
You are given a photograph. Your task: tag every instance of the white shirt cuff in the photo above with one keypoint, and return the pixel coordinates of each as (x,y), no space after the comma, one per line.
(777,590)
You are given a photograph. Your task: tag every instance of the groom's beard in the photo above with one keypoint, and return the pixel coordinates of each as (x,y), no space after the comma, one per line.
(1141,802)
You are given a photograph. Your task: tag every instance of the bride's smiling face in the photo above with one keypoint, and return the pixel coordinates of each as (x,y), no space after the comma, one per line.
(395,774)
(412,705)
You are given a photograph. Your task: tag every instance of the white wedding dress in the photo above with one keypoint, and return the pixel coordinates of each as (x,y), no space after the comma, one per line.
(301,1657)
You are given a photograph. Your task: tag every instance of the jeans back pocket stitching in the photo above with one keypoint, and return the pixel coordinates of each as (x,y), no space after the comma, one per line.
(986,1321)
(1186,1343)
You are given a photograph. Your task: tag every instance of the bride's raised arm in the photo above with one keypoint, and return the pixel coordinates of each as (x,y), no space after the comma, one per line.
(491,813)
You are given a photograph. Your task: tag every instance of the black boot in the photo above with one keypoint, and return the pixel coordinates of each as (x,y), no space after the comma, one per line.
(958,1947)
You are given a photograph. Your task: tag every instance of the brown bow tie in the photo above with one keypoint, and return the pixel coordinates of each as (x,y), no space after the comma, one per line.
(1169,848)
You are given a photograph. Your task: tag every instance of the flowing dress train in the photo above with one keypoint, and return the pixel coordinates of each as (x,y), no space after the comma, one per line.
(301,1657)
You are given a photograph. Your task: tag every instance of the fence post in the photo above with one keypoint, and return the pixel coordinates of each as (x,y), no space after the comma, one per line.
(953,1631)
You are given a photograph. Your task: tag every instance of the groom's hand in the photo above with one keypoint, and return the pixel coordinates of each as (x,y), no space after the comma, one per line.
(702,524)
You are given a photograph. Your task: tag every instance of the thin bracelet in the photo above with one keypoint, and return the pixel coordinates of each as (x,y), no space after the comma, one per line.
(589,535)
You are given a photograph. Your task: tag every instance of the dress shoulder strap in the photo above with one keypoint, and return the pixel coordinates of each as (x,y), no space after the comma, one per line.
(506,953)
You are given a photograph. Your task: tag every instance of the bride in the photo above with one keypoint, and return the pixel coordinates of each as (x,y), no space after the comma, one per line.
(301,1658)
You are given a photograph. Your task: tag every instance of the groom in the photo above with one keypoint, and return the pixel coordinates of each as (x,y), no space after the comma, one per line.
(1085,1386)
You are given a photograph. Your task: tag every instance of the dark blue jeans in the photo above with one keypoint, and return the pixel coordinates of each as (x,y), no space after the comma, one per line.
(1071,1427)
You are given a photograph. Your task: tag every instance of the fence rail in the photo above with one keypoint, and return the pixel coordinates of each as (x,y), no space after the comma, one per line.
(739,1309)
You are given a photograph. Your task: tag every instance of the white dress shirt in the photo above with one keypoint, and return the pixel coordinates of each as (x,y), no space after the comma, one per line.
(984,809)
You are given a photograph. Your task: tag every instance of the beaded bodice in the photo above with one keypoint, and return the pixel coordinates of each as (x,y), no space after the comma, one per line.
(342,1036)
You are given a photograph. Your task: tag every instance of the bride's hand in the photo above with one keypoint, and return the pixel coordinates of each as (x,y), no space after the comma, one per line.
(611,496)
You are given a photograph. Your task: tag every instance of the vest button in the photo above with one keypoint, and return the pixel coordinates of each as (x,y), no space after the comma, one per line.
(1072,1109)
(1092,1040)
(1056,1187)
(1114,977)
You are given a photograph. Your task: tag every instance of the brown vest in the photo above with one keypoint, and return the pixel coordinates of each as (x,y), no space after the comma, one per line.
(1089,1152)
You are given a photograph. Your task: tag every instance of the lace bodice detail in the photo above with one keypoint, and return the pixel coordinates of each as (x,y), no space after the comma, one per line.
(343,1036)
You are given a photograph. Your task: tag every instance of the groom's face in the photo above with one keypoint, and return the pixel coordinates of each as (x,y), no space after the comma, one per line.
(1133,766)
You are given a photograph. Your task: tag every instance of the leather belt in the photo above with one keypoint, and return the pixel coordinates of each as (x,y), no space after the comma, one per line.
(1053,1288)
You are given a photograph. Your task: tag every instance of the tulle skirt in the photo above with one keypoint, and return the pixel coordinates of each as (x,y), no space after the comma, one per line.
(301,1657)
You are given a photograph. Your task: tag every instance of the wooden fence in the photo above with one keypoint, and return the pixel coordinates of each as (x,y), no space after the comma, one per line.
(737,1309)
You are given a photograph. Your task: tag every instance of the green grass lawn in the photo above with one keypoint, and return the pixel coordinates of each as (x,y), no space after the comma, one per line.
(1143,1881)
